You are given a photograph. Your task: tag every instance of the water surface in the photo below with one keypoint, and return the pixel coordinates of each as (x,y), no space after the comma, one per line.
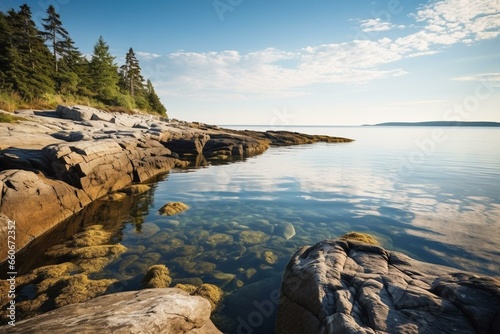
(431,193)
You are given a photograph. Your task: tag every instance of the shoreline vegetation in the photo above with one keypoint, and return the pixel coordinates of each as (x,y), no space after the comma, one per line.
(42,68)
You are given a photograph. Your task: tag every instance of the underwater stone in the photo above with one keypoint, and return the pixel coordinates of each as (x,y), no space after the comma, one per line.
(285,230)
(115,197)
(146,230)
(220,278)
(158,276)
(136,189)
(218,239)
(173,208)
(127,261)
(270,257)
(200,268)
(160,237)
(253,237)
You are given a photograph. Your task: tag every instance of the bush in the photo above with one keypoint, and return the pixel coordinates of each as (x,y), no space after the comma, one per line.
(141,103)
(124,100)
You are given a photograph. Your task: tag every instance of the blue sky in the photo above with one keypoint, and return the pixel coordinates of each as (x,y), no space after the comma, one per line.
(316,62)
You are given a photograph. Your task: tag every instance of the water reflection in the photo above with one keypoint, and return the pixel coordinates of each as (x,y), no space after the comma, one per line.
(444,213)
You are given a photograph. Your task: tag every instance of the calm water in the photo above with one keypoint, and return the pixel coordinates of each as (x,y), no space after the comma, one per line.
(432,193)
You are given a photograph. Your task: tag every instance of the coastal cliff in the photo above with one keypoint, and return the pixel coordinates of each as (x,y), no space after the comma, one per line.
(54,163)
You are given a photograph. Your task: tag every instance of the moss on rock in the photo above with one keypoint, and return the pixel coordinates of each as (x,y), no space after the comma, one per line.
(360,237)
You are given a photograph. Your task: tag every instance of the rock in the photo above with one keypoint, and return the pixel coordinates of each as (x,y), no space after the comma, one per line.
(76,113)
(70,136)
(253,237)
(270,257)
(114,197)
(285,230)
(50,202)
(158,276)
(136,189)
(341,286)
(173,208)
(218,239)
(188,144)
(148,311)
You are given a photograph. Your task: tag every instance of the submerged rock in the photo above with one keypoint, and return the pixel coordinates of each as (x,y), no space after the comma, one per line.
(158,276)
(253,237)
(285,230)
(342,286)
(136,189)
(173,208)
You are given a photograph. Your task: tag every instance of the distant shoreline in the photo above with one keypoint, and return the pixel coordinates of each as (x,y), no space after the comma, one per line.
(439,123)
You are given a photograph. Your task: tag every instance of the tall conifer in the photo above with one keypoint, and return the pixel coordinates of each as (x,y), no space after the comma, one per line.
(104,72)
(55,34)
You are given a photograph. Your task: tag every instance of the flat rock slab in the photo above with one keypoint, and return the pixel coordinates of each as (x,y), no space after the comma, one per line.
(347,287)
(141,312)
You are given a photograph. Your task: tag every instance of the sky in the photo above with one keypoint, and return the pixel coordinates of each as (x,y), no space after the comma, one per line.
(298,62)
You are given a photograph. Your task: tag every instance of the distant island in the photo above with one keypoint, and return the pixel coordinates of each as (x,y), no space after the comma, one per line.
(438,123)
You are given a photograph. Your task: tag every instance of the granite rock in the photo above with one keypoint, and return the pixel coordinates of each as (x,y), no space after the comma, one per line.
(142,312)
(339,286)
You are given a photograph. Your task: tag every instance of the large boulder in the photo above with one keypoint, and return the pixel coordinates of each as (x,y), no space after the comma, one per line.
(188,143)
(36,204)
(339,286)
(147,311)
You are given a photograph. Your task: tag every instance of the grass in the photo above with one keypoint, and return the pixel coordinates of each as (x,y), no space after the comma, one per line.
(12,101)
(7,118)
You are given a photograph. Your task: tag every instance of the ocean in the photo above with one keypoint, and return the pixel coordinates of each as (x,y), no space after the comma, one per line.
(432,193)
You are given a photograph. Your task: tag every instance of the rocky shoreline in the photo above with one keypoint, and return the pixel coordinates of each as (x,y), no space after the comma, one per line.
(54,163)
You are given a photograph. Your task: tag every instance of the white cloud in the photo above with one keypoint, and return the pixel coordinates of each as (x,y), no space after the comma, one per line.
(231,74)
(377,24)
(147,55)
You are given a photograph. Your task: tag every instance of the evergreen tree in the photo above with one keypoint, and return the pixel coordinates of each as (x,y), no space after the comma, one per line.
(104,72)
(55,34)
(5,34)
(154,100)
(29,58)
(72,76)
(131,79)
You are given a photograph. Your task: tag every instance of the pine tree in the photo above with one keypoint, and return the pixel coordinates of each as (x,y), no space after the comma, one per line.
(131,79)
(72,76)
(55,34)
(104,72)
(154,100)
(29,58)
(5,34)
